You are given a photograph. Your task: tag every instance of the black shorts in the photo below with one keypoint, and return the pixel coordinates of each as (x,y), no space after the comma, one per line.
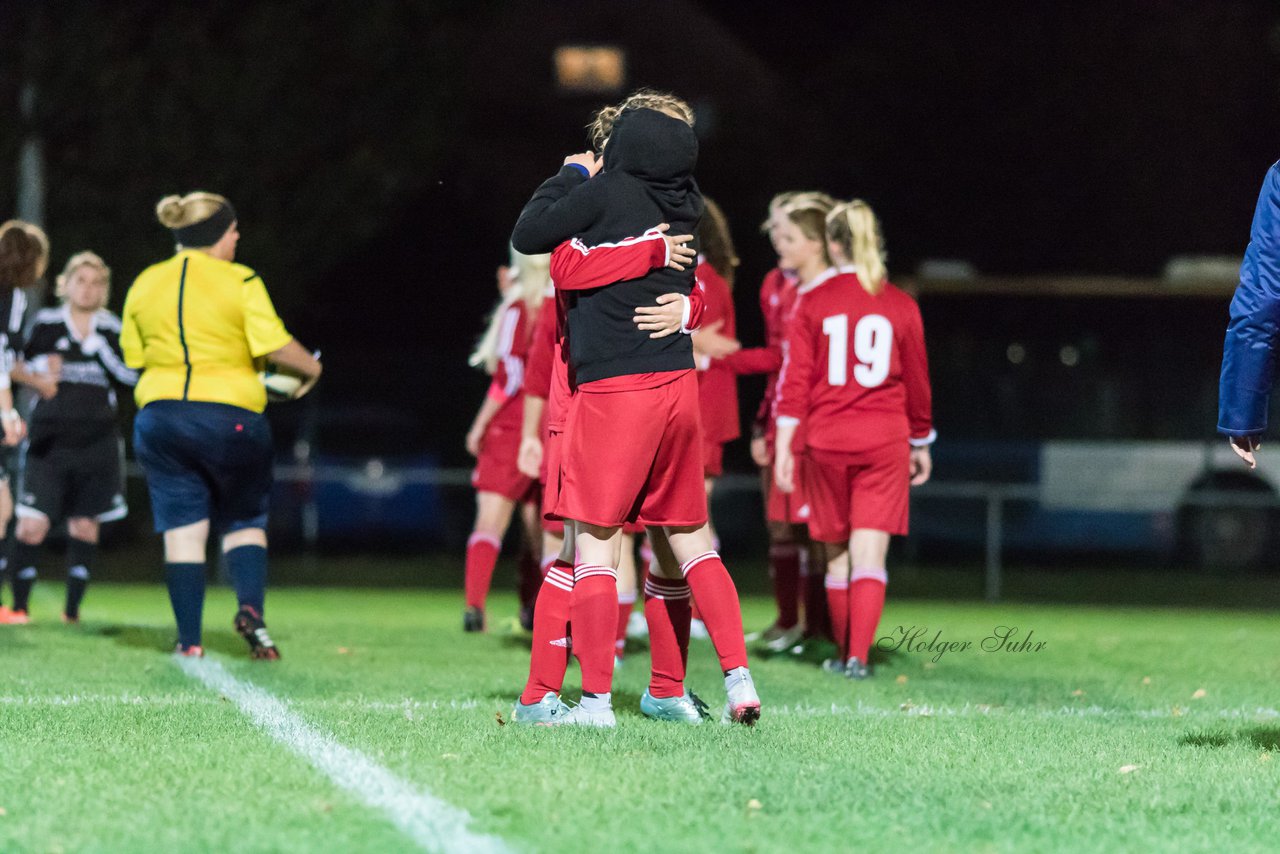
(64,481)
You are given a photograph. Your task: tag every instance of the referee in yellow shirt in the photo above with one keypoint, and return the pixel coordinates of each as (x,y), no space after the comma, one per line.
(197,326)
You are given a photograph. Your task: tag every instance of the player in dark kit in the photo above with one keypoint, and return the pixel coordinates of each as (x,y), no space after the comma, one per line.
(634,440)
(72,467)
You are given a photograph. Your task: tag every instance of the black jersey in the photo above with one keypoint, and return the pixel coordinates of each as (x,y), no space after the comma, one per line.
(84,409)
(13,310)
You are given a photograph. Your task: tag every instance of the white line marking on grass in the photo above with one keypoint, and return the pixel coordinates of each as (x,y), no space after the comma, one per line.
(432,823)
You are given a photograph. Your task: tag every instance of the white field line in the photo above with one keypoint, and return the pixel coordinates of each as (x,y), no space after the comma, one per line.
(409,707)
(429,821)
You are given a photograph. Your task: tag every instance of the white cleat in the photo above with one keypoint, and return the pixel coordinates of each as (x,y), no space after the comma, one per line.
(546,712)
(579,716)
(743,704)
(785,639)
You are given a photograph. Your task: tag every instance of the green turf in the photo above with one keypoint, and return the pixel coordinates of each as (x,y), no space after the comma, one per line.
(1131,730)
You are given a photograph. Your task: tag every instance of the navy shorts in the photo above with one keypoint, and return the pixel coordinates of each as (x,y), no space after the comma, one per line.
(204,461)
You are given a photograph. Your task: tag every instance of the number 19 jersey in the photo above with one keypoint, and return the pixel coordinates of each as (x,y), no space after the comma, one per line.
(854,369)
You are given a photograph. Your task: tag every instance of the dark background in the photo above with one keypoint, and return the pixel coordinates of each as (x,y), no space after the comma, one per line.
(379,152)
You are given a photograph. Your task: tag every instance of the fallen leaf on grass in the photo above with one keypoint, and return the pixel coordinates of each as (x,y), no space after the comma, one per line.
(342,650)
(1077,693)
(902,679)
(907,706)
(753,804)
(498,715)
(1199,694)
(1129,769)
(1177,711)
(1146,680)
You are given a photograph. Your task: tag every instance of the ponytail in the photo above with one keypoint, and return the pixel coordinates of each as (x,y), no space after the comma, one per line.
(854,227)
(532,275)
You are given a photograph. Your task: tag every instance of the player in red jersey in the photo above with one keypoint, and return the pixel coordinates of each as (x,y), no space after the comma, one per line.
(494,437)
(855,385)
(790,552)
(576,267)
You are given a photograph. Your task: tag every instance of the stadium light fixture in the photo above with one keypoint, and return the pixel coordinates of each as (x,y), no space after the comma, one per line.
(590,69)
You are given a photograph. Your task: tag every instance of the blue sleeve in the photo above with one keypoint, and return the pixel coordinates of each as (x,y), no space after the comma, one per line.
(1248,354)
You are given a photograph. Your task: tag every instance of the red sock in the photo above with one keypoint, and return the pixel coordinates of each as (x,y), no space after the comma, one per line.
(838,606)
(693,611)
(482,557)
(593,619)
(866,603)
(529,577)
(549,658)
(784,570)
(718,604)
(666,610)
(626,601)
(817,622)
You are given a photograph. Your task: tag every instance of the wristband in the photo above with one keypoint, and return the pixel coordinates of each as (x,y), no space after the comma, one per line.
(10,415)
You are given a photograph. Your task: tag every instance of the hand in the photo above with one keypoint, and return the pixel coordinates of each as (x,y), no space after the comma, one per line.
(475,439)
(15,430)
(682,254)
(759,451)
(921,466)
(506,279)
(588,160)
(665,318)
(784,471)
(709,342)
(308,383)
(45,385)
(1244,446)
(53,365)
(529,460)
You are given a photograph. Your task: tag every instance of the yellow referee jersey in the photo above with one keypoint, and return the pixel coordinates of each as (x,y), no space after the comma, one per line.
(194,325)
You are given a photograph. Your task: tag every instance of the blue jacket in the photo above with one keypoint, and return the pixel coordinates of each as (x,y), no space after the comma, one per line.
(1248,355)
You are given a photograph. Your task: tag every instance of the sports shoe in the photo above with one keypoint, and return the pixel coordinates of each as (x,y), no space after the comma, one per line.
(637,625)
(834,666)
(855,669)
(698,630)
(473,620)
(9,617)
(783,639)
(579,716)
(189,651)
(686,709)
(547,711)
(250,626)
(70,620)
(743,704)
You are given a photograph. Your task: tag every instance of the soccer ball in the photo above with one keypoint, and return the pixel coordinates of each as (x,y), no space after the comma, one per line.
(279,384)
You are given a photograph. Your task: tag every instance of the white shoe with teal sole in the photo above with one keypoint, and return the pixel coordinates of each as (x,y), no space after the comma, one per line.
(547,711)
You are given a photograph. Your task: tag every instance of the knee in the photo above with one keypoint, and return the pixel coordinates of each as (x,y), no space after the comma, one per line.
(32,530)
(83,528)
(244,537)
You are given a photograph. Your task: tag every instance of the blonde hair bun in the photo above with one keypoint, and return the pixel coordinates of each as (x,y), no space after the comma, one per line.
(169,211)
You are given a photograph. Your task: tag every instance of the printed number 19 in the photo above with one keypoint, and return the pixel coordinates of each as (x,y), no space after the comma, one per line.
(872,344)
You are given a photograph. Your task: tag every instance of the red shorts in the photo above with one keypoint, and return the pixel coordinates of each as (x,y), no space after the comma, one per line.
(869,489)
(496,470)
(635,454)
(779,506)
(551,446)
(712,458)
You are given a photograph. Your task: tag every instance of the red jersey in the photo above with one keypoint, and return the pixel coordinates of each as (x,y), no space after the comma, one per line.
(718,385)
(855,371)
(777,298)
(507,387)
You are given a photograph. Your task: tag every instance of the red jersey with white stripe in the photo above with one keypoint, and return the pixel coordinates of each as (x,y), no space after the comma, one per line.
(777,298)
(507,387)
(718,385)
(855,372)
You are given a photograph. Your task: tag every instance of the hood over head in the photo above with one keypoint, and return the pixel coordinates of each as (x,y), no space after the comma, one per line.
(661,151)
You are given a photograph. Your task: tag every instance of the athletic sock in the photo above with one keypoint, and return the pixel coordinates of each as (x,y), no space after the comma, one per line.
(817,622)
(80,559)
(247,566)
(186,594)
(528,577)
(24,560)
(866,604)
(626,602)
(549,657)
(838,606)
(482,557)
(593,617)
(667,611)
(717,599)
(597,702)
(784,571)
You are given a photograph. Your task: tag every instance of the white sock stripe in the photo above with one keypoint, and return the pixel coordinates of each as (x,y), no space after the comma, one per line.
(836,583)
(653,591)
(79,571)
(702,558)
(430,822)
(627,598)
(560,574)
(481,537)
(27,573)
(566,586)
(876,573)
(590,570)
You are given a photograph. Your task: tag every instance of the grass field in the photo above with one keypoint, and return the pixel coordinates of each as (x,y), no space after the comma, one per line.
(1130,729)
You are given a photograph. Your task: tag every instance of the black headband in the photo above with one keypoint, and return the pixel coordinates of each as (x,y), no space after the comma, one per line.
(208,231)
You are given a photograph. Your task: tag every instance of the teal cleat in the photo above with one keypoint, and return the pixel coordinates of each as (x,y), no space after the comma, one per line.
(685,709)
(548,711)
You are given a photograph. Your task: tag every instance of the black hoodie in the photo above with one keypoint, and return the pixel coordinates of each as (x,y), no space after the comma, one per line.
(647,179)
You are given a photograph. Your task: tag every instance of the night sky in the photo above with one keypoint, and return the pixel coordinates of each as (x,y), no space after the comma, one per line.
(379,155)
